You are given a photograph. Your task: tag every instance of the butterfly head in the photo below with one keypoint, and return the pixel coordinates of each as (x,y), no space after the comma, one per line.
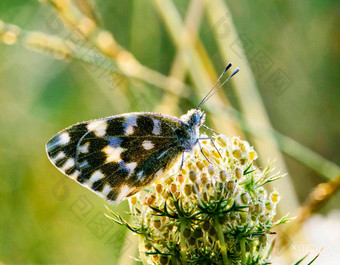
(194,118)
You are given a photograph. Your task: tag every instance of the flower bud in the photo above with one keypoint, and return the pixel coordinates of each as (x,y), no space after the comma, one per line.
(222,141)
(192,241)
(245,198)
(231,185)
(187,232)
(148,245)
(212,231)
(206,151)
(205,196)
(177,194)
(200,165)
(134,200)
(163,260)
(269,205)
(204,178)
(168,181)
(263,239)
(206,225)
(237,154)
(275,197)
(159,188)
(150,201)
(252,155)
(238,173)
(222,219)
(165,194)
(211,169)
(259,208)
(187,189)
(263,218)
(180,178)
(173,188)
(216,154)
(193,175)
(157,223)
(223,175)
(198,233)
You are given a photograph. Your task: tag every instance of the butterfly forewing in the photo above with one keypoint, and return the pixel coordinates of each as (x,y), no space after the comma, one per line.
(117,156)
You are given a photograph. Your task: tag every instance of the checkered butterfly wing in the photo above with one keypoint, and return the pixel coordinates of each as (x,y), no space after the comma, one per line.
(117,156)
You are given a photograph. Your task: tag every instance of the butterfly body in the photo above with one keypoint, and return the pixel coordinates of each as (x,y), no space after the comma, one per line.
(119,155)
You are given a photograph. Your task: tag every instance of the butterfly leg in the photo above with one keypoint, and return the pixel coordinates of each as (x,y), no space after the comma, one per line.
(199,144)
(209,129)
(212,141)
(182,162)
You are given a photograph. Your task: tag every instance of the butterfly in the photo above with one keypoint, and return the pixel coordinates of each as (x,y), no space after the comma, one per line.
(117,156)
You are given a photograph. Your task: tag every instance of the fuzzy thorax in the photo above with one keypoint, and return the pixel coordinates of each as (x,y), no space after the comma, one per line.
(192,120)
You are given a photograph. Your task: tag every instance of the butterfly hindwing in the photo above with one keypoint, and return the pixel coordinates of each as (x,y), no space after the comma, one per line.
(117,156)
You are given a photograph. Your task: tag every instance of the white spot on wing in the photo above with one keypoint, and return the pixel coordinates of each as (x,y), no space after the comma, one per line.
(68,164)
(97,175)
(84,148)
(98,127)
(106,190)
(123,192)
(147,145)
(59,156)
(128,130)
(130,121)
(131,167)
(75,174)
(113,153)
(140,175)
(64,138)
(156,126)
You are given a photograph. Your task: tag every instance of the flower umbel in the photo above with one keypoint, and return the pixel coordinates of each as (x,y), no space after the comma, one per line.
(214,211)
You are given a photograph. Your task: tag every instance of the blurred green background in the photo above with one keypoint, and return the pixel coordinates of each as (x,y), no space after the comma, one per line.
(47,218)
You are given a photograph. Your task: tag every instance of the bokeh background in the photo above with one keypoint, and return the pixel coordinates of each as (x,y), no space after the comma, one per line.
(164,56)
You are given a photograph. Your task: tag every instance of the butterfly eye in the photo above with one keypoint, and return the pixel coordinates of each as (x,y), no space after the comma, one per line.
(196,118)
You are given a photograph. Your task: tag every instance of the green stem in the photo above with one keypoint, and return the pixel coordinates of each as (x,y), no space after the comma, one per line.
(183,243)
(243,251)
(141,250)
(223,245)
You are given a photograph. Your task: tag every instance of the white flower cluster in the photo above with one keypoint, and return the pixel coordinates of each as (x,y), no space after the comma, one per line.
(214,210)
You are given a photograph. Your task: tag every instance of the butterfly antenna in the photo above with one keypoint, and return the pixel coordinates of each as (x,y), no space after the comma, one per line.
(225,70)
(206,98)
